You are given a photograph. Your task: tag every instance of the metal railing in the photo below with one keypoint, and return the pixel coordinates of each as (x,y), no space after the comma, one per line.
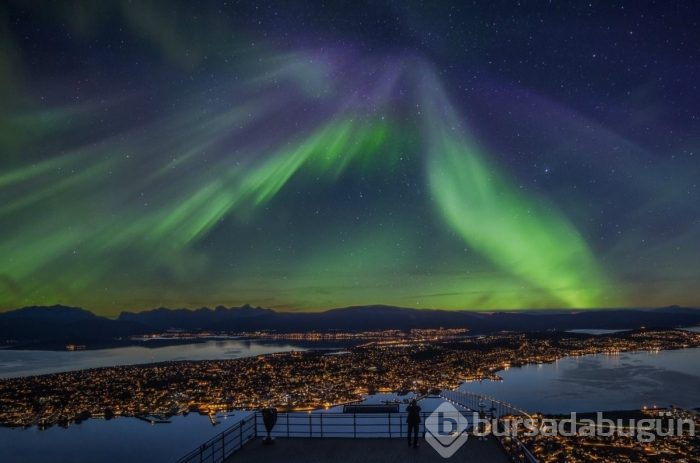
(223,445)
(302,425)
(341,425)
(496,409)
(319,425)
(478,402)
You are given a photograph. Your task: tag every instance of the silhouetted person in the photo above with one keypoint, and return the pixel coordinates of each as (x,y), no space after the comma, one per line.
(413,421)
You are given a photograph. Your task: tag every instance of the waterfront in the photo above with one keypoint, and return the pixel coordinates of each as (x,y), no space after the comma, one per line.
(625,381)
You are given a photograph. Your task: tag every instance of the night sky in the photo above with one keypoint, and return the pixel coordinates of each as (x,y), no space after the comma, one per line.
(299,156)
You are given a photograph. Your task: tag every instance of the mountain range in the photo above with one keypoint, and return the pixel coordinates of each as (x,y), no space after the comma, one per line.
(55,326)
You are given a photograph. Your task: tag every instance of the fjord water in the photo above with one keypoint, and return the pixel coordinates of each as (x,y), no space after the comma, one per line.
(625,381)
(114,441)
(16,363)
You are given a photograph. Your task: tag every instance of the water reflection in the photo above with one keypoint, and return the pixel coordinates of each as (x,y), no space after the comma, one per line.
(14,363)
(601,382)
(117,440)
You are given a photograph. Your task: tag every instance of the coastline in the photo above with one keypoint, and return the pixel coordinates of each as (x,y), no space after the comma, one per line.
(490,374)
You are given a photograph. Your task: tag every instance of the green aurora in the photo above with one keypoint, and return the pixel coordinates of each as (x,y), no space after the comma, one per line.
(307,178)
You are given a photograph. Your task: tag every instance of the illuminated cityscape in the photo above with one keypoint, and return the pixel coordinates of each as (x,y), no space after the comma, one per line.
(616,448)
(303,231)
(422,362)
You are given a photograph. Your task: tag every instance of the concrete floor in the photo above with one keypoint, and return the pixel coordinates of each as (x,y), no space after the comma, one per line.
(298,450)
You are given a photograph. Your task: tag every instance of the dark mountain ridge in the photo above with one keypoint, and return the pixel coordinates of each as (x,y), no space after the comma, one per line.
(202,318)
(58,325)
(375,317)
(55,326)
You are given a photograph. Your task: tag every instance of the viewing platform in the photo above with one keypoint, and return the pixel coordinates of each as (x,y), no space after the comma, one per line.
(370,433)
(363,450)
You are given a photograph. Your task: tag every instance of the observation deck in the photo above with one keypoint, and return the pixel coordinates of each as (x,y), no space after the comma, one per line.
(356,437)
(363,450)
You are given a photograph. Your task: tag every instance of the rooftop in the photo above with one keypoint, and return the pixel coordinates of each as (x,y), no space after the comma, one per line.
(362,451)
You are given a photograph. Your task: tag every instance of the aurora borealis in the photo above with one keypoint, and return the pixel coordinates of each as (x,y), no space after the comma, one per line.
(300,157)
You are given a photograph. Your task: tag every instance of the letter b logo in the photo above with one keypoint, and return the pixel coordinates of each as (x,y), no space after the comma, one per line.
(446,430)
